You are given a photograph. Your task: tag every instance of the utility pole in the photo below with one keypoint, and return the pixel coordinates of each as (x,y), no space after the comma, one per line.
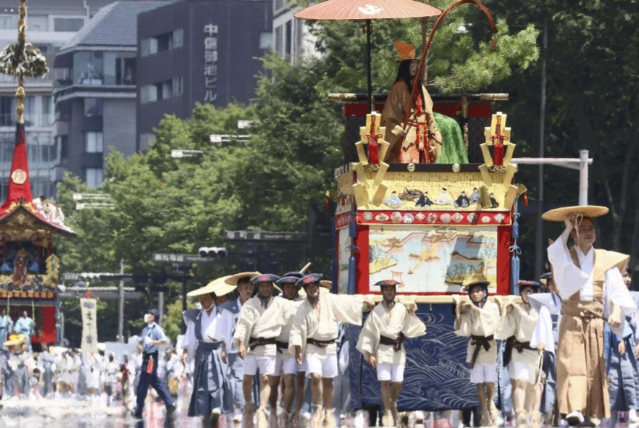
(539,237)
(121,304)
(161,306)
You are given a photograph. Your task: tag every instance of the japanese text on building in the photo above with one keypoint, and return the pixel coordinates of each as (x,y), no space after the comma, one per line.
(210,62)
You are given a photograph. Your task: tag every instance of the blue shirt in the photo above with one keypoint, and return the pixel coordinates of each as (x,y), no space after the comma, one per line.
(154,332)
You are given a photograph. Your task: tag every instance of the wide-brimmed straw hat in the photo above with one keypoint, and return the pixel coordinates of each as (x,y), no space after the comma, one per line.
(561,214)
(217,286)
(14,339)
(233,279)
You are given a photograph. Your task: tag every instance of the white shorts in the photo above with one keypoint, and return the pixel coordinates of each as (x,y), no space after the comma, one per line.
(286,364)
(266,364)
(302,368)
(484,373)
(325,366)
(522,371)
(392,372)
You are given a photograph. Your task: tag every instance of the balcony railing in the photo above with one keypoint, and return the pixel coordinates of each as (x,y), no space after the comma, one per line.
(9,119)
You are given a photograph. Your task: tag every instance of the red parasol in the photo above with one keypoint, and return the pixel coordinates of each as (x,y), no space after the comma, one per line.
(364,10)
(367,10)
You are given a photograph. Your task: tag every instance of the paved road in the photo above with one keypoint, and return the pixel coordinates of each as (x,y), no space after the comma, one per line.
(59,413)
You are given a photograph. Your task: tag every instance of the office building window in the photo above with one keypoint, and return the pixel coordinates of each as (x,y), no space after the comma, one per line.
(63,142)
(67,24)
(37,23)
(93,177)
(88,68)
(93,107)
(148,46)
(266,40)
(8,22)
(148,94)
(125,69)
(279,40)
(289,37)
(178,38)
(177,86)
(93,142)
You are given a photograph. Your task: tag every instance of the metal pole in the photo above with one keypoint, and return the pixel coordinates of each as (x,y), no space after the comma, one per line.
(161,306)
(369,28)
(183,325)
(121,305)
(539,233)
(583,177)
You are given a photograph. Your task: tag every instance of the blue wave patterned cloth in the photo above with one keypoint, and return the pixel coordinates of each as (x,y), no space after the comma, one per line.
(436,375)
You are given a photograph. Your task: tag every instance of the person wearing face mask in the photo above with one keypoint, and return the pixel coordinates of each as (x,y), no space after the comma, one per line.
(381,341)
(285,362)
(152,337)
(233,393)
(478,319)
(516,327)
(593,292)
(313,337)
(545,339)
(260,323)
(208,331)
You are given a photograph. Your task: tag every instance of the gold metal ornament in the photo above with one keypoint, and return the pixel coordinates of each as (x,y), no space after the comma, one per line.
(19,176)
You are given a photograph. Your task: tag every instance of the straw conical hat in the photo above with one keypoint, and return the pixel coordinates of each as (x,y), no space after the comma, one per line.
(217,286)
(14,339)
(561,214)
(232,279)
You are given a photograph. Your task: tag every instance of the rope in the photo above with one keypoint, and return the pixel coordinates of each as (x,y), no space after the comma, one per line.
(430,39)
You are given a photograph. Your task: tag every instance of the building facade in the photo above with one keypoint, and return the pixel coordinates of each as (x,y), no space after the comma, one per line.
(96,100)
(50,25)
(291,36)
(195,51)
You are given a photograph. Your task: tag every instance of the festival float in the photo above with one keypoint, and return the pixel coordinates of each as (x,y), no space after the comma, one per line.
(432,224)
(29,266)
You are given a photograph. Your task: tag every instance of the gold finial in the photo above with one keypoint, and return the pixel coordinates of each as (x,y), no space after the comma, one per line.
(22,40)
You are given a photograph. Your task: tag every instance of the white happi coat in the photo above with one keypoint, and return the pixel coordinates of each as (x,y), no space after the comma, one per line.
(521,324)
(333,308)
(480,322)
(256,321)
(285,334)
(382,322)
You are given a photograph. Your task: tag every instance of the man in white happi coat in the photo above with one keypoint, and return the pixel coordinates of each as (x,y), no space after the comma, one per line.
(478,318)
(313,337)
(285,364)
(208,332)
(524,361)
(258,327)
(381,341)
(592,290)
(233,393)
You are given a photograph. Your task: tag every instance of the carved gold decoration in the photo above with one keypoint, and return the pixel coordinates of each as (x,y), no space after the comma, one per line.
(494,97)
(19,176)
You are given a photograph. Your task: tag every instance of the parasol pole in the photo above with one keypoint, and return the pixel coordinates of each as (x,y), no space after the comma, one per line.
(422,60)
(369,28)
(22,39)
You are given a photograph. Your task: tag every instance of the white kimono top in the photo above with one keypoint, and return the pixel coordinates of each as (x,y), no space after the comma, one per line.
(285,334)
(521,324)
(382,322)
(548,305)
(480,322)
(255,321)
(333,308)
(570,279)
